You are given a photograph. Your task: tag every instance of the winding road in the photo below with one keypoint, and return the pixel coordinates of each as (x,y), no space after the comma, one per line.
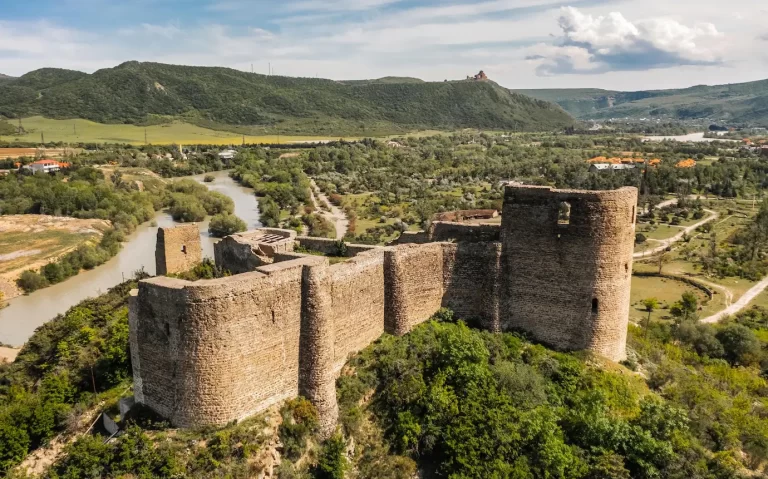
(742,303)
(666,243)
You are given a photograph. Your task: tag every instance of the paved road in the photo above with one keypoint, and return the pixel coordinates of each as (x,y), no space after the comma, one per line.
(742,303)
(664,244)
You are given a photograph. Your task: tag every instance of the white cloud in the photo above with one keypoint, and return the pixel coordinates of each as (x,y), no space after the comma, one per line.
(591,44)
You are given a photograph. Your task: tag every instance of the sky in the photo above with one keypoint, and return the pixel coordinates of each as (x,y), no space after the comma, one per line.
(611,44)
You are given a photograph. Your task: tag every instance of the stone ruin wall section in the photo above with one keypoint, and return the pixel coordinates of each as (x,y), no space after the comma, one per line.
(218,350)
(568,284)
(178,249)
(471,279)
(356,289)
(413,278)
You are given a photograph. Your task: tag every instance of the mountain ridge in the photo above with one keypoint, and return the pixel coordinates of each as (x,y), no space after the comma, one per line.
(135,92)
(733,103)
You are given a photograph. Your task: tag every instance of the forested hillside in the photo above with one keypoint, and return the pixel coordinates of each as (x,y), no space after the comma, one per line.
(149,92)
(745,103)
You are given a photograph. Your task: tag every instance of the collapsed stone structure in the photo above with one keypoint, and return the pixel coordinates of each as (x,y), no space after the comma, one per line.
(209,352)
(178,249)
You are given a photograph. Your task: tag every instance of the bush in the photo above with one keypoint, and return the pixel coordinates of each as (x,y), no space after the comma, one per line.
(187,209)
(209,178)
(299,421)
(30,281)
(741,345)
(332,462)
(640,238)
(225,224)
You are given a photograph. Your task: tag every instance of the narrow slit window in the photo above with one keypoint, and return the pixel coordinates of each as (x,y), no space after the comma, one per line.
(564,213)
(594,305)
(634,214)
(184,249)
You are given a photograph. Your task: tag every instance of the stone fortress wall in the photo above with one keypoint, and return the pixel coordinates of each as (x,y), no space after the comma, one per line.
(209,352)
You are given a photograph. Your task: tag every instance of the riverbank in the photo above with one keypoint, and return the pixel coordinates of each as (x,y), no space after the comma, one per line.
(25,313)
(8,355)
(28,242)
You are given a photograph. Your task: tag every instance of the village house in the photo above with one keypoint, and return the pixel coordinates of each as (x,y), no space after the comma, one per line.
(594,167)
(227,155)
(45,166)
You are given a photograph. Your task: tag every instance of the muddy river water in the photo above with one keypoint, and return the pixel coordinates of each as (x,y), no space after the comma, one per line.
(24,314)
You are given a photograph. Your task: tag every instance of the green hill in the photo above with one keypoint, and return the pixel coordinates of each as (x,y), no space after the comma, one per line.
(140,92)
(740,103)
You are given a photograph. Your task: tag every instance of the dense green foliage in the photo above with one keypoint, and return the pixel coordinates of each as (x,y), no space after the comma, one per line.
(475,404)
(59,370)
(142,92)
(225,224)
(741,103)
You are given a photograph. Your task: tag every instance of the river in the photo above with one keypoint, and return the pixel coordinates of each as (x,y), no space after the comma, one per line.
(24,314)
(692,137)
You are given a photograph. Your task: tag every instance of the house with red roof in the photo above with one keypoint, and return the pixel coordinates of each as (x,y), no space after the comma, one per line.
(45,166)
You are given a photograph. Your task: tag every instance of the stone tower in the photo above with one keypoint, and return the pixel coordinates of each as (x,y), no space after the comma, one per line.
(567,259)
(178,249)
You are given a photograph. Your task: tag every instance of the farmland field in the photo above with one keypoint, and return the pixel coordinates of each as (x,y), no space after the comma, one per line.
(32,241)
(84,131)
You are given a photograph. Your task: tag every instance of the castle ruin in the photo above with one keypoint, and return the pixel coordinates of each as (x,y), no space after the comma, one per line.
(213,351)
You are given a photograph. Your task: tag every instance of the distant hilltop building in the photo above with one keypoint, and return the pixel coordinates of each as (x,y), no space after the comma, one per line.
(209,352)
(479,77)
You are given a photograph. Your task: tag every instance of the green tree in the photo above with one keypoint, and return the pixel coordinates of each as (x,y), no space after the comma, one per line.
(741,345)
(650,305)
(332,463)
(225,224)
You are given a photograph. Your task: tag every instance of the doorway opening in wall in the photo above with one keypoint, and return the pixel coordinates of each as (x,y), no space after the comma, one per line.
(564,213)
(594,305)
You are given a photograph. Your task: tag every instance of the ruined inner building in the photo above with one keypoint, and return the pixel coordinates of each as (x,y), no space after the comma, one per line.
(209,352)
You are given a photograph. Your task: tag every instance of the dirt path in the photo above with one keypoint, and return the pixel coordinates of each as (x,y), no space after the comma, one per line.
(335,216)
(664,244)
(742,303)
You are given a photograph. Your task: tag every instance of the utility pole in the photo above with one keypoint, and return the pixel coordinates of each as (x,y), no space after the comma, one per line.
(74,128)
(145,136)
(20,126)
(42,138)
(243,140)
(270,68)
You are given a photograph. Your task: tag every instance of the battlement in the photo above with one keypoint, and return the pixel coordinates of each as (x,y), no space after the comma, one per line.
(209,352)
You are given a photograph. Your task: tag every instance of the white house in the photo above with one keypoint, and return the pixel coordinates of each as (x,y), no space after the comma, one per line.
(227,155)
(46,166)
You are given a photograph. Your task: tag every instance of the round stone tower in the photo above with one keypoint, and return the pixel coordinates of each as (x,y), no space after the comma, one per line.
(568,265)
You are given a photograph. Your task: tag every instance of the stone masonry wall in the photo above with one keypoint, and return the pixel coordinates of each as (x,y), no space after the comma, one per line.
(178,249)
(413,276)
(209,352)
(568,284)
(357,303)
(461,232)
(471,282)
(218,350)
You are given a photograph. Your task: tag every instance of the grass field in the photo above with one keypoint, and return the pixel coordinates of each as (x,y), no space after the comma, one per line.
(84,131)
(667,291)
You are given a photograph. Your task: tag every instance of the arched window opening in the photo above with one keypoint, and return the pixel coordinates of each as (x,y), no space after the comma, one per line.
(564,213)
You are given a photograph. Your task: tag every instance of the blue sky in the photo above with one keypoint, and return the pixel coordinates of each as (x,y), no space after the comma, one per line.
(617,44)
